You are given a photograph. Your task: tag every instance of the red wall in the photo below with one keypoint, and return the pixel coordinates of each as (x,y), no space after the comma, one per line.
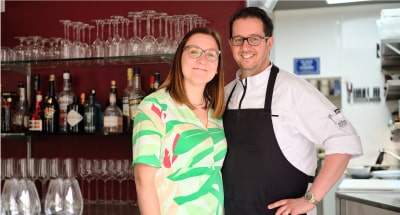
(31,18)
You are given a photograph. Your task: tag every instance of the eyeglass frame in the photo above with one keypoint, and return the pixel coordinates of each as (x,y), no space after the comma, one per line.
(202,51)
(247,39)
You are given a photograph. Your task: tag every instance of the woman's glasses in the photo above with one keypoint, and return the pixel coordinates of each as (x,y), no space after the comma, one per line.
(196,52)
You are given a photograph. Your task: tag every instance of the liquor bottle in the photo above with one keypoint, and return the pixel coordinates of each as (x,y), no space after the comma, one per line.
(5,112)
(157,81)
(112,120)
(36,119)
(125,101)
(20,115)
(151,84)
(99,111)
(90,115)
(136,95)
(36,87)
(51,109)
(114,90)
(154,82)
(75,112)
(65,98)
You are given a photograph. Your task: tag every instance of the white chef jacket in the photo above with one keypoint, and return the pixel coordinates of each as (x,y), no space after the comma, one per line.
(305,117)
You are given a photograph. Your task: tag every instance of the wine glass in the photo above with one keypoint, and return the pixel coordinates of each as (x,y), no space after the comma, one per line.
(135,42)
(98,44)
(9,203)
(33,169)
(10,169)
(121,174)
(65,42)
(148,40)
(105,171)
(20,50)
(73,201)
(36,49)
(27,197)
(161,42)
(43,175)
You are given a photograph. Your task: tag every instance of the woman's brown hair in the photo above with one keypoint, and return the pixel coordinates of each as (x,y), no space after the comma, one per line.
(214,90)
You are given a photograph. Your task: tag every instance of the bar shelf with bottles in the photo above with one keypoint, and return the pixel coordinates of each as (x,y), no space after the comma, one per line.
(99,130)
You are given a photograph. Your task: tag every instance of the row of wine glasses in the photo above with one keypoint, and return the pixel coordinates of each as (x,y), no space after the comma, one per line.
(144,32)
(108,171)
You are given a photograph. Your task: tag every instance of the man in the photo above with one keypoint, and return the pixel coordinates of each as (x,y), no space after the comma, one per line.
(273,120)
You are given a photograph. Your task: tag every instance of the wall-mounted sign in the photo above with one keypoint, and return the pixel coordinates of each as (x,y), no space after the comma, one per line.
(306,66)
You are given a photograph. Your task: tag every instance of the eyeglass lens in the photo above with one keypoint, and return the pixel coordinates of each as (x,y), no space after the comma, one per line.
(195,52)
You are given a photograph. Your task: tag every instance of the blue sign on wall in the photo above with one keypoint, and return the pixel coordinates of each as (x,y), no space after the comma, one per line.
(306,66)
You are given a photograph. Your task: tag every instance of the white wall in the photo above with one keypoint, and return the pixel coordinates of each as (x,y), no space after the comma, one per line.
(344,38)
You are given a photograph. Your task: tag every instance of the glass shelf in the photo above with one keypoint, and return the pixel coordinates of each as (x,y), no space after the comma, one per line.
(81,62)
(22,134)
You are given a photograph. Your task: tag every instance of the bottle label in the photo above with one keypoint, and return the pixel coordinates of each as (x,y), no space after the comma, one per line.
(35,125)
(125,106)
(110,121)
(133,106)
(90,124)
(73,118)
(49,113)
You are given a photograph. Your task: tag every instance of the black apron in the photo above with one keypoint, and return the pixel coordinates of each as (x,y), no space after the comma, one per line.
(255,171)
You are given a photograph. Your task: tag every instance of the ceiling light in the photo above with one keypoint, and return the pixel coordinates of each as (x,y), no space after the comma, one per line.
(343,1)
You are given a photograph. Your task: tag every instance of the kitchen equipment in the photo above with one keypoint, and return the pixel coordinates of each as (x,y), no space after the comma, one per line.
(387,174)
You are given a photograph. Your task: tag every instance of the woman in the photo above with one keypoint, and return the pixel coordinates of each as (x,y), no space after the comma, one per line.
(178,139)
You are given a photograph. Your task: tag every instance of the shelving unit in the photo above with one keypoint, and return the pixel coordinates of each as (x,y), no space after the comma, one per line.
(390,62)
(27,67)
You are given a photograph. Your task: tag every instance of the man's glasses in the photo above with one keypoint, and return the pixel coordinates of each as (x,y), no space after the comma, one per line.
(196,52)
(252,40)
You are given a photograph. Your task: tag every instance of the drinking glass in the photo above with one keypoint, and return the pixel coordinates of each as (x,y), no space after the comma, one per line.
(98,44)
(10,169)
(135,42)
(148,40)
(33,169)
(161,43)
(72,197)
(105,171)
(22,168)
(65,42)
(9,203)
(27,197)
(20,49)
(43,175)
(7,54)
(55,168)
(121,174)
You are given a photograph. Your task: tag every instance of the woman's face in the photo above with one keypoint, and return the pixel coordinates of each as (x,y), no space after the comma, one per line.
(198,71)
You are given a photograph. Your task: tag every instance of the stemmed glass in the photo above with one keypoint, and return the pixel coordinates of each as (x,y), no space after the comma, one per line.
(148,41)
(33,169)
(65,42)
(118,42)
(36,49)
(135,42)
(98,44)
(20,49)
(43,175)
(121,174)
(162,39)
(105,171)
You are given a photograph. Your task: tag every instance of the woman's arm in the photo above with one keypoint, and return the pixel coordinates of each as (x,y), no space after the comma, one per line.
(146,189)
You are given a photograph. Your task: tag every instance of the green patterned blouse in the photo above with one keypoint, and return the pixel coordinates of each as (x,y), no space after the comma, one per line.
(188,155)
